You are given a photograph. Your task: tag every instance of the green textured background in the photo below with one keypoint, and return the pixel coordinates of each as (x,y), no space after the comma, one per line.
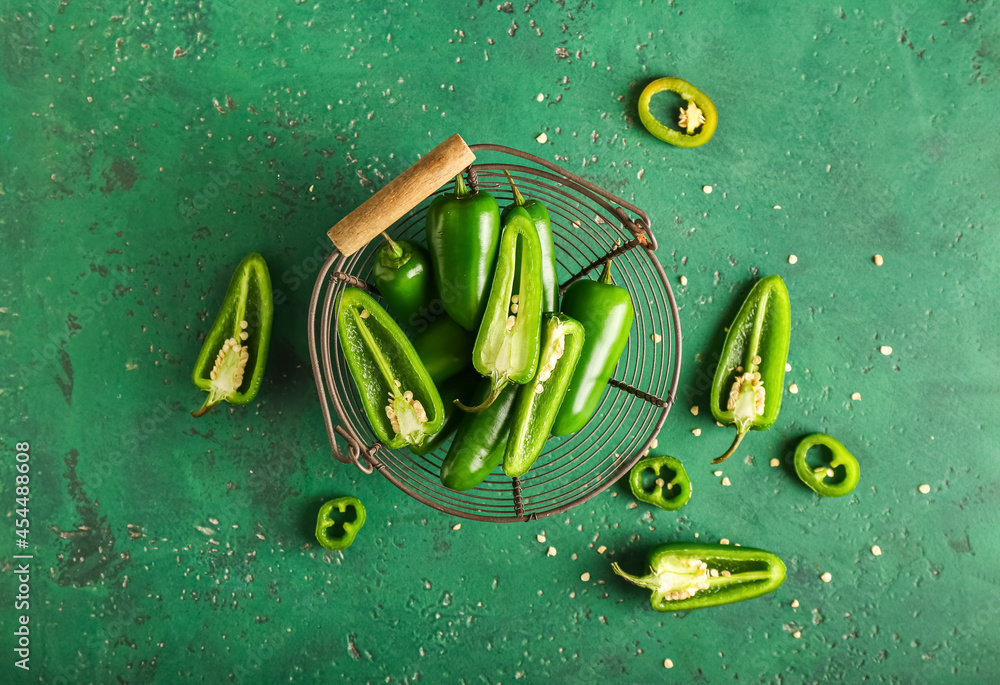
(147,146)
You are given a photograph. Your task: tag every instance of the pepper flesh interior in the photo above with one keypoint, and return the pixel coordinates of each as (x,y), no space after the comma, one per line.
(682,577)
(691,118)
(227,373)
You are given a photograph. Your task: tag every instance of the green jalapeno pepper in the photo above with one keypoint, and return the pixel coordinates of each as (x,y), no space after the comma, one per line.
(506,346)
(669,495)
(538,401)
(480,442)
(543,224)
(325,521)
(685,576)
(749,380)
(385,365)
(463,231)
(700,112)
(817,478)
(231,363)
(444,347)
(451,389)
(403,275)
(606,313)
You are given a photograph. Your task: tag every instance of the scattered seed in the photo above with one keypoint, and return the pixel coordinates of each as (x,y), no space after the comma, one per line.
(457,526)
(696,432)
(855,395)
(792,259)
(826,577)
(794,389)
(656,337)
(724,541)
(684,280)
(667,663)
(365,313)
(540,537)
(542,138)
(243,324)
(788,367)
(716,473)
(515,299)
(726,482)
(886,350)
(775,462)
(795,603)
(876,550)
(924,489)
(878,260)
(694,410)
(654,444)
(601,549)
(551,552)
(707,189)
(797,634)
(585,577)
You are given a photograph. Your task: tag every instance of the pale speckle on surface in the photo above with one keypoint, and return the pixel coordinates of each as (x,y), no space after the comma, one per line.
(826,577)
(886,350)
(794,389)
(792,259)
(876,550)
(855,395)
(774,462)
(696,432)
(924,489)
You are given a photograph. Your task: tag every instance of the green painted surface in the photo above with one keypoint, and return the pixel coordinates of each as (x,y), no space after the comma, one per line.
(168,549)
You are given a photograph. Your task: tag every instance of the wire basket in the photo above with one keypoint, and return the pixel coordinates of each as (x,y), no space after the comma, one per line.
(589,226)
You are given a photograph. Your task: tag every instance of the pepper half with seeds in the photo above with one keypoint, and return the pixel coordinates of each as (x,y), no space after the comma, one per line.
(691,575)
(230,366)
(750,377)
(539,400)
(400,399)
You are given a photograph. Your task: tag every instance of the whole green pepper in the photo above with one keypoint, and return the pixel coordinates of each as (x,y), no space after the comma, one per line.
(543,224)
(463,231)
(403,275)
(606,313)
(506,346)
(325,521)
(385,365)
(444,347)
(692,575)
(678,487)
(239,338)
(817,478)
(749,380)
(479,444)
(538,401)
(451,389)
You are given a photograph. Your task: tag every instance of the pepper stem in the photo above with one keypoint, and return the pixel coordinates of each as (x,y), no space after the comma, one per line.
(518,198)
(732,448)
(461,190)
(396,250)
(495,389)
(207,407)
(606,274)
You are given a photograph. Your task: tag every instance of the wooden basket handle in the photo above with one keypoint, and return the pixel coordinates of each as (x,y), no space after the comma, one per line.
(402,194)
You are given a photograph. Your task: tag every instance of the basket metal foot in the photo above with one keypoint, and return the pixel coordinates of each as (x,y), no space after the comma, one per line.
(621,249)
(518,501)
(641,394)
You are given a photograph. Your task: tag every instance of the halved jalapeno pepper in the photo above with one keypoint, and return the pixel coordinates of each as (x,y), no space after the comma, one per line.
(699,113)
(400,399)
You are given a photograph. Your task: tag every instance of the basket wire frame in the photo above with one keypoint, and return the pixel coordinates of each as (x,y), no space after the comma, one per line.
(589,226)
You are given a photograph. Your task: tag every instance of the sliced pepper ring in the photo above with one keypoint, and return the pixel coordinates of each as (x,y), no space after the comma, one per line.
(816,478)
(703,106)
(325,521)
(671,495)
